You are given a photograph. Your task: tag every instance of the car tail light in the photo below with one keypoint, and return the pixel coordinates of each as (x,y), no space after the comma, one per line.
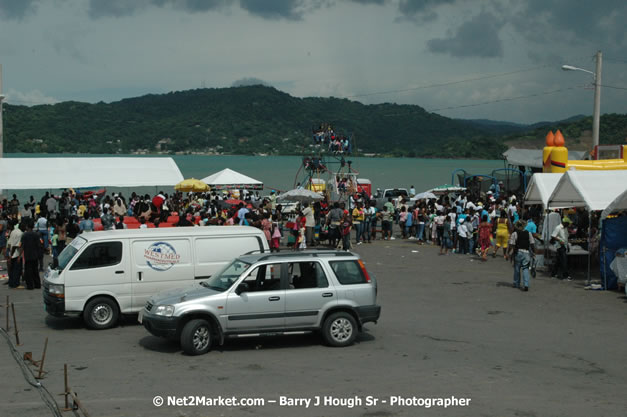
(363,269)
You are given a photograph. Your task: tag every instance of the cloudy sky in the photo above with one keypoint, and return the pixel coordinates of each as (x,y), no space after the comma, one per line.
(494,59)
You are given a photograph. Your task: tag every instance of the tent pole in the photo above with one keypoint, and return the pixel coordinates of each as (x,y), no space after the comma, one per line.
(589,242)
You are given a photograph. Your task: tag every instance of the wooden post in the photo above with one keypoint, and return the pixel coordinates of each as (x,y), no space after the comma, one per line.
(67,389)
(17,333)
(43,358)
(7,305)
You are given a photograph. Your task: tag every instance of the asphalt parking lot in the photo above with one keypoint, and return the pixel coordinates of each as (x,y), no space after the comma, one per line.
(450,326)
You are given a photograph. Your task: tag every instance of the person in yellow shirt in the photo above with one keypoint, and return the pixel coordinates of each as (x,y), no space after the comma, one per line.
(80,212)
(358,221)
(503,226)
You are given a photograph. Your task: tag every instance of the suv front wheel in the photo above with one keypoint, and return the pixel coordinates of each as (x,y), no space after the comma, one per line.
(196,337)
(339,329)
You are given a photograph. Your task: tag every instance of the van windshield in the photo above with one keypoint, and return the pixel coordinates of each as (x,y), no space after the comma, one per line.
(69,251)
(223,280)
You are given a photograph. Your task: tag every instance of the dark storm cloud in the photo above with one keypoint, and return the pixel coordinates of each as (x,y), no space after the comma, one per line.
(276,9)
(378,2)
(16,9)
(600,22)
(282,9)
(478,37)
(120,8)
(421,9)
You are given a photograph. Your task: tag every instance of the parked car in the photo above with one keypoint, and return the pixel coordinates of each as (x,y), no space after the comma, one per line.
(268,294)
(103,274)
(381,197)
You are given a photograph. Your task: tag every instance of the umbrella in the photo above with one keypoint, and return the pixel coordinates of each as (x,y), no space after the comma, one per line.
(191,185)
(423,196)
(301,195)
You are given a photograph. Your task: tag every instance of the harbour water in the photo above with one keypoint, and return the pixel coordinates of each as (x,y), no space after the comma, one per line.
(282,172)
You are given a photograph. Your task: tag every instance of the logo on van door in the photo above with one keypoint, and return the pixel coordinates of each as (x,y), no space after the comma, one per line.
(161,256)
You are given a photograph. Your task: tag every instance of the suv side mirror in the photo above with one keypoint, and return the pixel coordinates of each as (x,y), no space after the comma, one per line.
(243,287)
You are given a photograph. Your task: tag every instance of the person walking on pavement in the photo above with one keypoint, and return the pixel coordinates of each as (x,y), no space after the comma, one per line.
(559,237)
(15,255)
(522,253)
(31,246)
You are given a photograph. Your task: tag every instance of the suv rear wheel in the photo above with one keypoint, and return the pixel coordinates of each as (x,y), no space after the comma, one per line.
(339,329)
(196,337)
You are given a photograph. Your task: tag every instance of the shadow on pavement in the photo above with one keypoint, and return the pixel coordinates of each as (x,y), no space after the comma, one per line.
(64,323)
(158,344)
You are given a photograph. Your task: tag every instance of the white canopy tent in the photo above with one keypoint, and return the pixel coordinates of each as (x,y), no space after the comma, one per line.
(540,188)
(227,179)
(594,190)
(619,203)
(59,173)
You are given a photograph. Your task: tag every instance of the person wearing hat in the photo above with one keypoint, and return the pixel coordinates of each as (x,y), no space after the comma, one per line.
(463,234)
(522,244)
(559,238)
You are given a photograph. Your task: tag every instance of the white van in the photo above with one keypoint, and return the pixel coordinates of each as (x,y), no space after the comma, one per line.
(103,274)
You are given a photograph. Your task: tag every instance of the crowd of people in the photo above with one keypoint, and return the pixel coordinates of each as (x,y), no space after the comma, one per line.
(324,135)
(483,225)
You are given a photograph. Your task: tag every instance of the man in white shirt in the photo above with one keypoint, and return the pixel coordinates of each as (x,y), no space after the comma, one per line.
(310,222)
(559,238)
(462,234)
(15,253)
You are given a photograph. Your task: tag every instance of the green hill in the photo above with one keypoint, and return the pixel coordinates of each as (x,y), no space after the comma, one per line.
(241,120)
(238,120)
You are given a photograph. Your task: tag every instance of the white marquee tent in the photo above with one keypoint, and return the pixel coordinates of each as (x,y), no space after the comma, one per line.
(594,190)
(227,179)
(540,188)
(59,173)
(619,203)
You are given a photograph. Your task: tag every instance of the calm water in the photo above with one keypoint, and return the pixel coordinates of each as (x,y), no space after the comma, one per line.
(282,172)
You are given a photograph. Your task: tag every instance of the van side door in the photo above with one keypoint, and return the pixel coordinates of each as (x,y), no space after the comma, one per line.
(159,265)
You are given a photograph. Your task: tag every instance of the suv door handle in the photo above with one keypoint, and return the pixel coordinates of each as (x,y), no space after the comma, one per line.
(274,298)
(327,294)
(119,272)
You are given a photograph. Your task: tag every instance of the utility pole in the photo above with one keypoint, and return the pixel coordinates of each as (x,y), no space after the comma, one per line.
(1,126)
(596,117)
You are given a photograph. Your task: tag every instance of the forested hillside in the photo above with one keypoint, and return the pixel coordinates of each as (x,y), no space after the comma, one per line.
(252,120)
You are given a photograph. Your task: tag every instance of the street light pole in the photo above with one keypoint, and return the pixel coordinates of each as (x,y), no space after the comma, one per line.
(596,117)
(1,126)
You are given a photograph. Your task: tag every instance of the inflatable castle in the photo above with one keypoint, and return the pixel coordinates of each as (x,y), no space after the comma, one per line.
(555,158)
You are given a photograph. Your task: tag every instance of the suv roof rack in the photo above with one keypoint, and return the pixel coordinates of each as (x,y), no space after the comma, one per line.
(313,254)
(252,252)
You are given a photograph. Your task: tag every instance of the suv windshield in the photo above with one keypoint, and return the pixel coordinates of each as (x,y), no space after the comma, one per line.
(223,280)
(69,251)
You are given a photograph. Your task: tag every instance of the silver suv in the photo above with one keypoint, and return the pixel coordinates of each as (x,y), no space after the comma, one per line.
(269,294)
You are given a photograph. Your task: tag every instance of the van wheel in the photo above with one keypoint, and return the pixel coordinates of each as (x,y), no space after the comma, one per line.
(339,329)
(101,313)
(196,337)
